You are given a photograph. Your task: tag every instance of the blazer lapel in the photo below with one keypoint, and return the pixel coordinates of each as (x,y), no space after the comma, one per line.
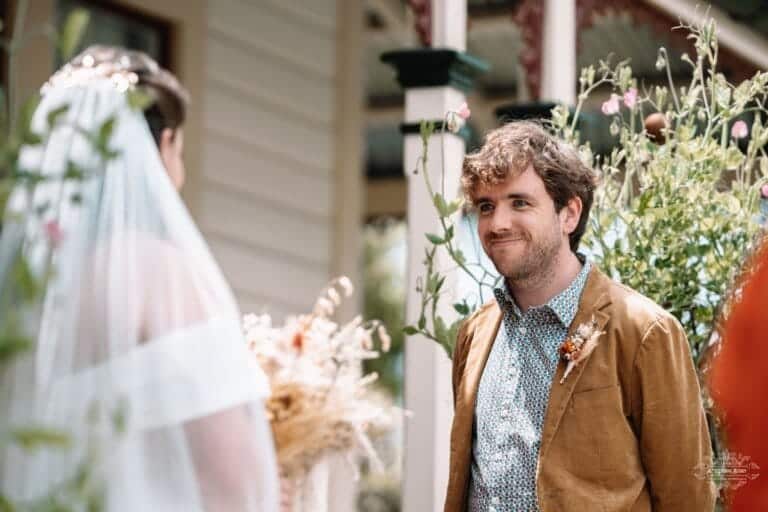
(593,299)
(482,342)
(466,394)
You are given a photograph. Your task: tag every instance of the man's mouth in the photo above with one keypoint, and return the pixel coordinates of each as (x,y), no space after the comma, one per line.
(504,241)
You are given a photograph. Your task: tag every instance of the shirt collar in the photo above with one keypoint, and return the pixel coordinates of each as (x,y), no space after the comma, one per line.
(564,305)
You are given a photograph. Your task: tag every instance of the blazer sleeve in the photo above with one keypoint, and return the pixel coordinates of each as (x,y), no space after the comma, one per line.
(674,437)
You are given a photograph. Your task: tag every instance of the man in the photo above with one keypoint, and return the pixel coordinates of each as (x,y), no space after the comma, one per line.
(624,430)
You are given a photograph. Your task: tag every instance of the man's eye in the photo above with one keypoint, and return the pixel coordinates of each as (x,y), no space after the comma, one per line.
(485,208)
(519,203)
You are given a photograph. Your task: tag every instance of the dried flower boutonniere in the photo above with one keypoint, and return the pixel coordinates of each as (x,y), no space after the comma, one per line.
(577,347)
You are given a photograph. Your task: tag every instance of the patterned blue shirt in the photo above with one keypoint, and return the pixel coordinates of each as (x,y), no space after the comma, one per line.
(512,400)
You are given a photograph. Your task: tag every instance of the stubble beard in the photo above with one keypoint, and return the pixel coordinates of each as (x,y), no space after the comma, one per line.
(537,267)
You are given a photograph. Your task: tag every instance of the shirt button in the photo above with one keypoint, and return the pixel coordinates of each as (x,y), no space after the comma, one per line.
(522,330)
(495,500)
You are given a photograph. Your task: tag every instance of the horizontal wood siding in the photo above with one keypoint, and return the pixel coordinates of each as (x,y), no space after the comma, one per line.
(265,199)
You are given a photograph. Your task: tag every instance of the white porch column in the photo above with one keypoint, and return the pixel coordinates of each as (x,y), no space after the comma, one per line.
(427,386)
(558,63)
(435,80)
(449,24)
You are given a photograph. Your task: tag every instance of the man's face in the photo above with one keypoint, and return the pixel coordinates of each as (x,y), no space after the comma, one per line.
(519,228)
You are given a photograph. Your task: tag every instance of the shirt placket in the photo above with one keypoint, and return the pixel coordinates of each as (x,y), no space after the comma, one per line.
(510,370)
(525,366)
(528,381)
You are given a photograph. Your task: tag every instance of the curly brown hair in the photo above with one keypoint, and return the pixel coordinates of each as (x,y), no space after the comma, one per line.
(512,148)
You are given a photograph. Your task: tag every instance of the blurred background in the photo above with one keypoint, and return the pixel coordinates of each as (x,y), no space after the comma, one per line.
(294,147)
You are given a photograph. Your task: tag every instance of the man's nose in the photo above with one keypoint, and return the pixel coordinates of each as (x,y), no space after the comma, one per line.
(501,220)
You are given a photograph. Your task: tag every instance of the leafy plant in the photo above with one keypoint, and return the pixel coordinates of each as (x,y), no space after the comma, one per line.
(677,209)
(27,286)
(431,287)
(384,298)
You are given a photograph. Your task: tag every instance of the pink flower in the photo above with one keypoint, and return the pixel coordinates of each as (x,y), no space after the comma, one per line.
(630,97)
(464,111)
(53,232)
(739,130)
(764,191)
(611,106)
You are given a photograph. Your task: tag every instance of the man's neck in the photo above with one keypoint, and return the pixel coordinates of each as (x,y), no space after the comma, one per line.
(540,289)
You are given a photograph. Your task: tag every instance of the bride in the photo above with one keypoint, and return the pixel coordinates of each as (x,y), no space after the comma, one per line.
(138,352)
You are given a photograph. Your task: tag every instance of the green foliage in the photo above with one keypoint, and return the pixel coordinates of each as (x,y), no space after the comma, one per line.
(100,140)
(430,286)
(72,33)
(385,297)
(13,344)
(55,114)
(24,126)
(31,438)
(672,219)
(675,220)
(138,99)
(24,286)
(28,285)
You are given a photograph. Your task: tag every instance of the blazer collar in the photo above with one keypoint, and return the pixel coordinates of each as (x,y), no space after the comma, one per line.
(594,299)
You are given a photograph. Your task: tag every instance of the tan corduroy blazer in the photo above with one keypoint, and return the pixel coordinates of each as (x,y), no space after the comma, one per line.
(626,432)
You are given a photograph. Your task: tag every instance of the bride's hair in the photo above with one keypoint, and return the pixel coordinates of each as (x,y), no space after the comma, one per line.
(169,98)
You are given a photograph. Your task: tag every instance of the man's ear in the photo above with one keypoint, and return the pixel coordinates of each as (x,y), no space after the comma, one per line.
(570,214)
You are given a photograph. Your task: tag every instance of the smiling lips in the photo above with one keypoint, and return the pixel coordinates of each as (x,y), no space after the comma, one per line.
(503,241)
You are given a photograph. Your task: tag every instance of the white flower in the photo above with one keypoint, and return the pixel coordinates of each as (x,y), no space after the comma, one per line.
(386,341)
(320,361)
(583,331)
(346,285)
(364,335)
(334,296)
(455,119)
(611,106)
(577,348)
(324,307)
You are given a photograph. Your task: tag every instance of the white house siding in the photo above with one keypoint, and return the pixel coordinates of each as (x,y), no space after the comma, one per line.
(265,202)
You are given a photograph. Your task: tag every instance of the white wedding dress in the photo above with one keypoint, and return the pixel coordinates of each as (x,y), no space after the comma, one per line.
(139,354)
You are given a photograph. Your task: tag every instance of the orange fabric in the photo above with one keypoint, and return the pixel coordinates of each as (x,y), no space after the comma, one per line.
(739,382)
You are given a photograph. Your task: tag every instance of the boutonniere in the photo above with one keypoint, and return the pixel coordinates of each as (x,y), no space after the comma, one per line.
(577,347)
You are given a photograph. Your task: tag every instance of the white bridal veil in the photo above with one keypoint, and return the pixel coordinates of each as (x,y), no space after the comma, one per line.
(138,350)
